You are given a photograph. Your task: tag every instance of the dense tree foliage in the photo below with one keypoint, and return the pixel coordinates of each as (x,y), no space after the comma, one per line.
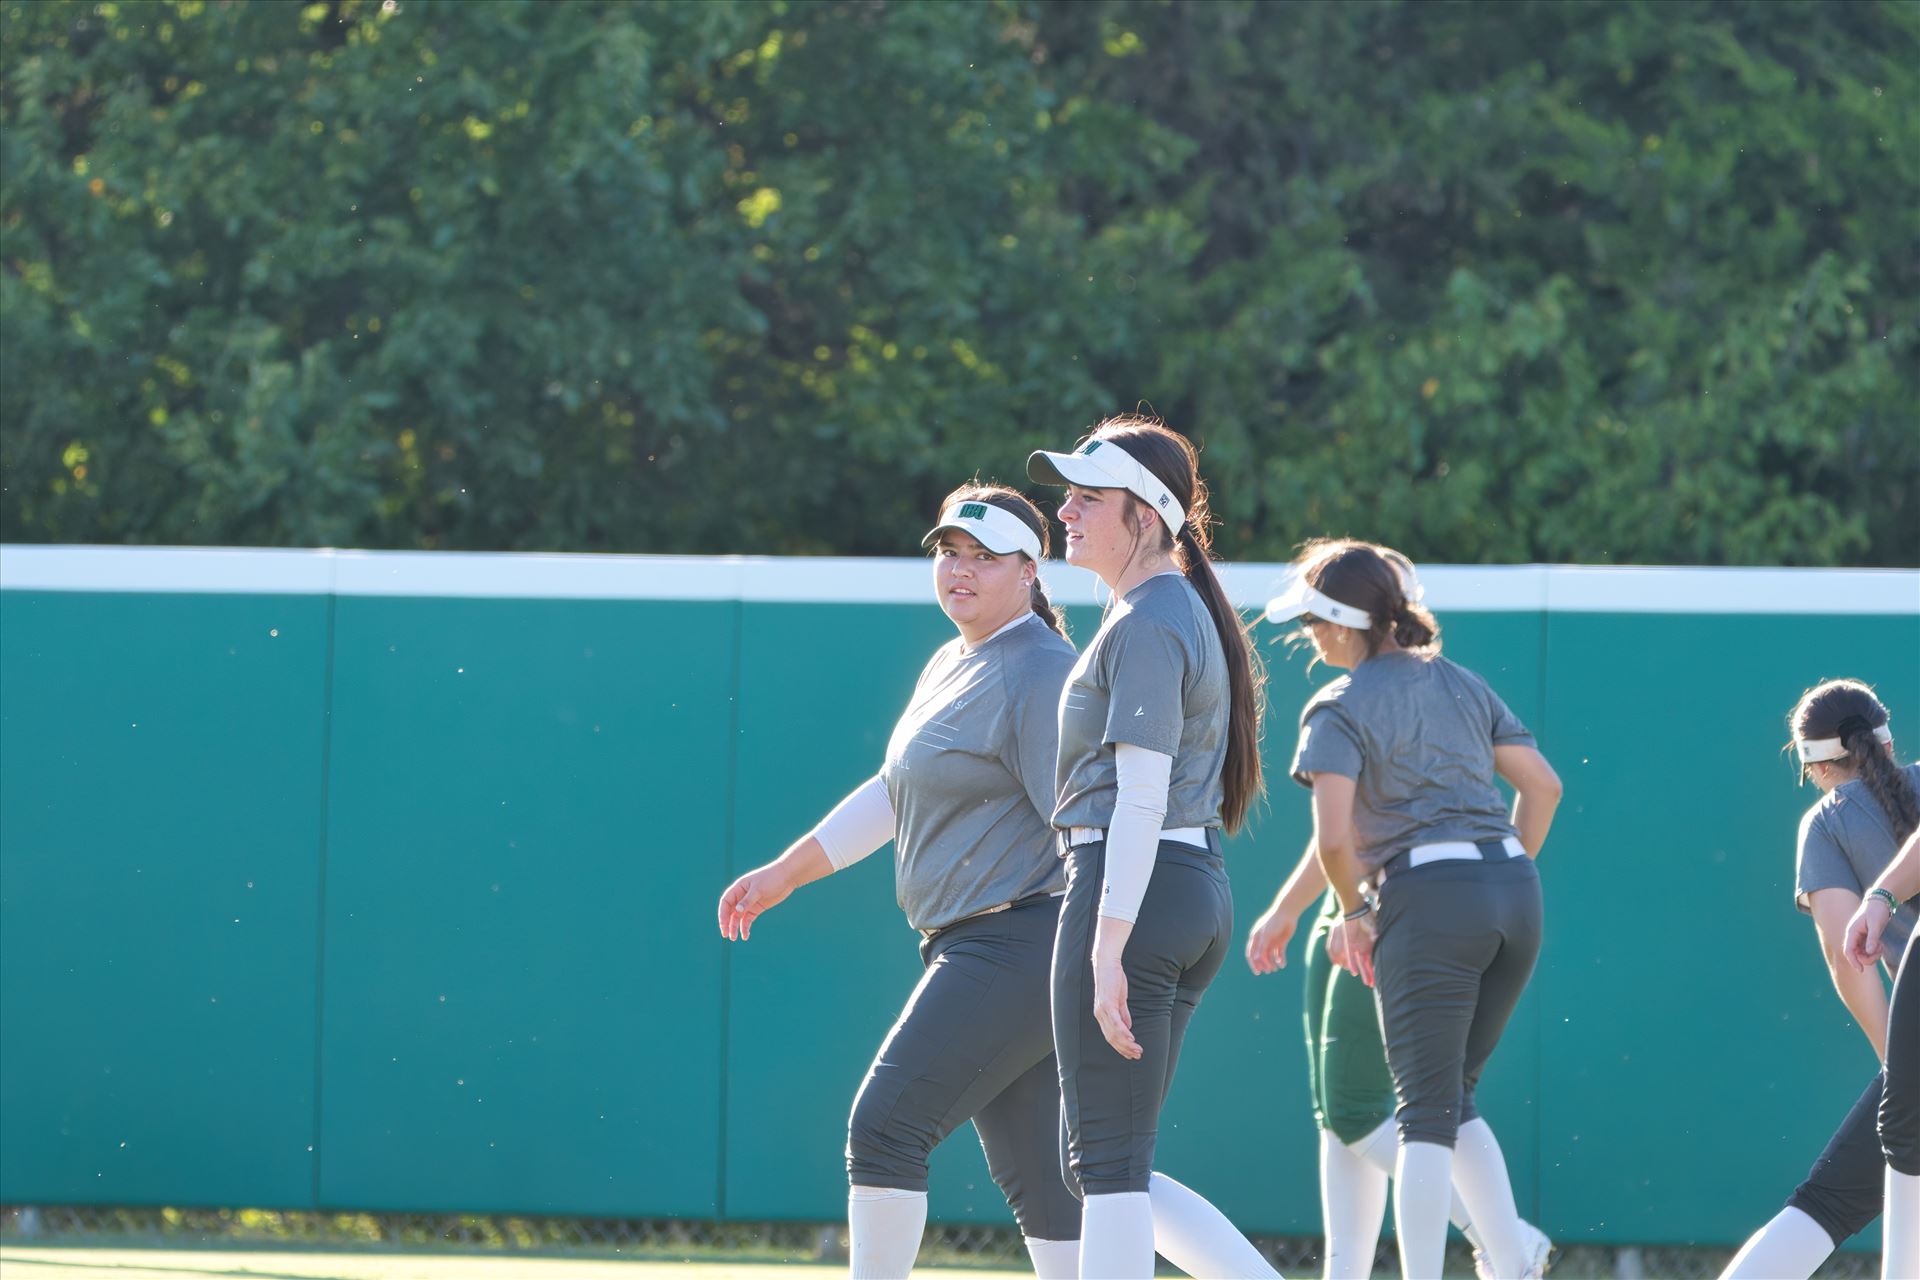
(1554,281)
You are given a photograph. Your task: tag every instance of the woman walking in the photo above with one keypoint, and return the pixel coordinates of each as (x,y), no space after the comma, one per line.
(965,794)
(1159,753)
(1351,1087)
(1868,805)
(1401,756)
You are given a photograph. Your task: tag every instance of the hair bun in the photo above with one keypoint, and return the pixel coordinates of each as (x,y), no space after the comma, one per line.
(1850,725)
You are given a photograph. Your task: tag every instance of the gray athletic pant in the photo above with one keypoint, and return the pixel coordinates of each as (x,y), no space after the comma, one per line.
(974,1043)
(1457,944)
(1110,1107)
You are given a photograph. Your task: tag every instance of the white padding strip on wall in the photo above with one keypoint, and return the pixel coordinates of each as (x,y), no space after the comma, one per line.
(832,580)
(210,570)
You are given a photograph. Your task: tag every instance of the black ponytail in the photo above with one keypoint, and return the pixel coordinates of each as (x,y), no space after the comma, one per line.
(1172,459)
(1246,681)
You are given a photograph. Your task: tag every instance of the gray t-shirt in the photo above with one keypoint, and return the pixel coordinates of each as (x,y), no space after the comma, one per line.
(1416,732)
(1846,841)
(970,774)
(1156,677)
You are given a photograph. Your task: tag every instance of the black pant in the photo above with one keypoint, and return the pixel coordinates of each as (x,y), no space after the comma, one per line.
(1842,1191)
(1900,1104)
(1457,944)
(1110,1105)
(974,1043)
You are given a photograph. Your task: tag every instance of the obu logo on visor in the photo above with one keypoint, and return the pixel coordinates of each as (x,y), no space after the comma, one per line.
(973,511)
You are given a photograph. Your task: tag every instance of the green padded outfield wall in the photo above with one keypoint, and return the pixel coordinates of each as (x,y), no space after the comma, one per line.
(386,881)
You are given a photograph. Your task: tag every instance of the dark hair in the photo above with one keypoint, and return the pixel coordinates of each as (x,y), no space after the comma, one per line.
(1848,710)
(1013,501)
(1368,576)
(1172,459)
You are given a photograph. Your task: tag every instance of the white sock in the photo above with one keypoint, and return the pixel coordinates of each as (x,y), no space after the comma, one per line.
(1197,1238)
(1900,1226)
(1423,1188)
(1791,1247)
(1381,1147)
(1054,1259)
(1480,1175)
(884,1226)
(1353,1201)
(1116,1236)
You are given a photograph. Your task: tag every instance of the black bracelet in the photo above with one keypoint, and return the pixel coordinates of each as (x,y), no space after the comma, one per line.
(1364,908)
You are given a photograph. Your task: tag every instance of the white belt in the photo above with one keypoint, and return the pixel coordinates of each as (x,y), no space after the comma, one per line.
(1195,836)
(1448,850)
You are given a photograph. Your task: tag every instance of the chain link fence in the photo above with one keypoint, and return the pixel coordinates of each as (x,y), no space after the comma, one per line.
(693,1240)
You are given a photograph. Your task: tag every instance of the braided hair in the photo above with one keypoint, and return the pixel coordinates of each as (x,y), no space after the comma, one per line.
(1849,711)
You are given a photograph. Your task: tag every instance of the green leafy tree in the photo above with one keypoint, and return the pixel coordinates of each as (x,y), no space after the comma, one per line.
(1626,281)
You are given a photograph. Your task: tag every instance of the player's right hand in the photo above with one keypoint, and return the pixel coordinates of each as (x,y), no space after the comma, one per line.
(1350,945)
(747,897)
(1861,943)
(1267,943)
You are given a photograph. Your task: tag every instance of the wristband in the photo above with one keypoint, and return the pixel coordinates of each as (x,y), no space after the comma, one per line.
(1886,895)
(1364,908)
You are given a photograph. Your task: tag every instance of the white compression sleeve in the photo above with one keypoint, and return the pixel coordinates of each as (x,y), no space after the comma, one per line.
(1116,1236)
(1900,1227)
(1382,1147)
(1054,1259)
(884,1226)
(1197,1238)
(1480,1181)
(1353,1204)
(857,826)
(1133,837)
(1422,1192)
(1791,1247)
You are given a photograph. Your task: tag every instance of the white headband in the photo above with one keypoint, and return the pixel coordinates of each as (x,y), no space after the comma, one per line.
(1299,599)
(1102,464)
(1815,750)
(995,528)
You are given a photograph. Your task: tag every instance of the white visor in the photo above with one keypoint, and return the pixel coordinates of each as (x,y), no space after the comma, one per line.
(1814,750)
(1299,599)
(995,528)
(1102,464)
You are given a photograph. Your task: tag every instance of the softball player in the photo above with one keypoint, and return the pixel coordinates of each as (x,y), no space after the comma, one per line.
(1869,804)
(965,795)
(1159,751)
(1401,755)
(1351,1087)
(1900,1099)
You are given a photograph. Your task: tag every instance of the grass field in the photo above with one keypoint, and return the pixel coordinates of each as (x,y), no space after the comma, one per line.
(18,1263)
(69,1263)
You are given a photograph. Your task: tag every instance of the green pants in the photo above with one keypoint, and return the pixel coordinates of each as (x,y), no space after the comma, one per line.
(1346,1062)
